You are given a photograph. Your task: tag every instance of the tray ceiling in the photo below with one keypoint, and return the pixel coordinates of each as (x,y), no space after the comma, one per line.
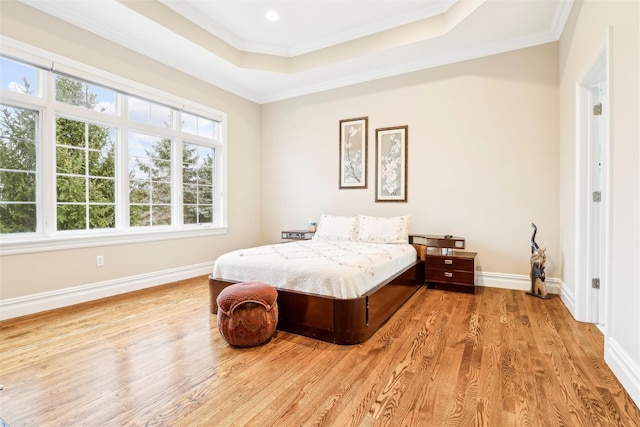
(315,45)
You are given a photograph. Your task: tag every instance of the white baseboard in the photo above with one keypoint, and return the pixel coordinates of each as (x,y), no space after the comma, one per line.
(624,368)
(523,283)
(22,306)
(518,282)
(568,298)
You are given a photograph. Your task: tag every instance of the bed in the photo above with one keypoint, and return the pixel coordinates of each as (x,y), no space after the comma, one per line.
(339,287)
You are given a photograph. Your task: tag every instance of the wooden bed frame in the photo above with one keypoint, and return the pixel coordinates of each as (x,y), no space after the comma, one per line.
(339,321)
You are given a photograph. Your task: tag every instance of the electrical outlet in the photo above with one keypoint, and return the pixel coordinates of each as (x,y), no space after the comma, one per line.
(99,261)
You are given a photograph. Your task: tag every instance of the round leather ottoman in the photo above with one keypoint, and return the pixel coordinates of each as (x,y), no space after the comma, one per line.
(247,313)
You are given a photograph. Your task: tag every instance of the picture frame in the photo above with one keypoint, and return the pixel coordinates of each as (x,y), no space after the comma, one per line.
(391,164)
(353,152)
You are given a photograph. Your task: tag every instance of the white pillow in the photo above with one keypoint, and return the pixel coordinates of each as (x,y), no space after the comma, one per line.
(384,230)
(337,228)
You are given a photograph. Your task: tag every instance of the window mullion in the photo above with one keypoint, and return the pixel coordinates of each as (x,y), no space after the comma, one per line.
(176,183)
(122,166)
(87,178)
(220,174)
(48,155)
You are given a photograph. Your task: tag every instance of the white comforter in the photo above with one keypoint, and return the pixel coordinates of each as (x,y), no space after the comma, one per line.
(330,268)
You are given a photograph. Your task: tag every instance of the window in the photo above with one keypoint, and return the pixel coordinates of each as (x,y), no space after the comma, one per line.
(19,78)
(121,164)
(85,175)
(199,126)
(149,180)
(86,95)
(144,111)
(18,169)
(197,177)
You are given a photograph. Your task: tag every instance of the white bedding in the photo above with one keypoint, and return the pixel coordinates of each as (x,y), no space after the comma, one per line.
(329,268)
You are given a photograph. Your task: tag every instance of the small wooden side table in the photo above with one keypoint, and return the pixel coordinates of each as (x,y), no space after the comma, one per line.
(454,272)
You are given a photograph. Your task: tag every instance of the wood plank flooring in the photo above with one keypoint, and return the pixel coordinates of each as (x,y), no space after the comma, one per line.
(155,357)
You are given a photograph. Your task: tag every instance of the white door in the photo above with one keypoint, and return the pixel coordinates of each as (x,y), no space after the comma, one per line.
(597,135)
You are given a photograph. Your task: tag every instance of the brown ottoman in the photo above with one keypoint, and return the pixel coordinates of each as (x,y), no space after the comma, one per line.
(247,313)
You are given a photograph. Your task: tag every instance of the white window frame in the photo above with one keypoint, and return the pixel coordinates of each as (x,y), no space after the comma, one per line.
(47,239)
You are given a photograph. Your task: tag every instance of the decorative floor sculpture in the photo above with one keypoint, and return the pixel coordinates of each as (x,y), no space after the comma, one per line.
(537,261)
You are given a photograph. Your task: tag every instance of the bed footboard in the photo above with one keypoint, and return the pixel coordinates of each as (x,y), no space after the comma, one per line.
(339,321)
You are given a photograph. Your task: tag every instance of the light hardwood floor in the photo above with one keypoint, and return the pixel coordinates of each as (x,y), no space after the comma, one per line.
(155,357)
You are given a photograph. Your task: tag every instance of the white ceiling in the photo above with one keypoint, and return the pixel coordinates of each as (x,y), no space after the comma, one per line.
(305,25)
(316,45)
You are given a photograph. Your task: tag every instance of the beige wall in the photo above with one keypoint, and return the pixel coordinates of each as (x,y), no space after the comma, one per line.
(483,155)
(22,275)
(588,25)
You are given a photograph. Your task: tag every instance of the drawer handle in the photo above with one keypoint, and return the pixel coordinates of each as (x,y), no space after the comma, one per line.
(447,274)
(448,261)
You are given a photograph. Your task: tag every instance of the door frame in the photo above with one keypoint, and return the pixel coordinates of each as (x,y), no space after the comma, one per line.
(597,70)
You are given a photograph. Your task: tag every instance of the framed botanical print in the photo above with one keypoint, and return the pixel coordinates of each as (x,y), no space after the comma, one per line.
(353,152)
(391,164)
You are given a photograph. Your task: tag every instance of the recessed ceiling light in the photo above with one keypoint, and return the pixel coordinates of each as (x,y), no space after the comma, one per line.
(272,15)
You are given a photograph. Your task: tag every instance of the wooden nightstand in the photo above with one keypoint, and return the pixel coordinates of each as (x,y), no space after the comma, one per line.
(454,272)
(446,266)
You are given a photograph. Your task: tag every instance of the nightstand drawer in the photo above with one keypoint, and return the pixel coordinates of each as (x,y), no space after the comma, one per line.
(450,263)
(450,276)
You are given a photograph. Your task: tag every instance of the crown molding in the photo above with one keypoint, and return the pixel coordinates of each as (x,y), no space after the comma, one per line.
(422,64)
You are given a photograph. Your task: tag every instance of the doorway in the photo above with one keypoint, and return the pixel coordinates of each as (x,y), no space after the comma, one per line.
(592,193)
(596,138)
